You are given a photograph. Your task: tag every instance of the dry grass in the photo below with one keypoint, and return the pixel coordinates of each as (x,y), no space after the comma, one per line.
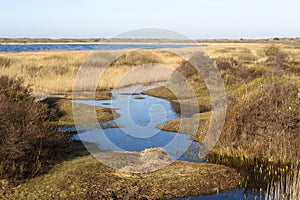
(228,49)
(55,72)
(263,122)
(47,72)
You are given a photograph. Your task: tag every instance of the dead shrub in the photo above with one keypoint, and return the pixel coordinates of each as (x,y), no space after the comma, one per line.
(234,71)
(276,57)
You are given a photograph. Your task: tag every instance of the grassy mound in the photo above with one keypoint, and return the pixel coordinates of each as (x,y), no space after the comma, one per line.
(84,177)
(265,118)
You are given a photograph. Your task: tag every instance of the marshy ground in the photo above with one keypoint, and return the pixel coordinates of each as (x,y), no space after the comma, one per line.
(262,82)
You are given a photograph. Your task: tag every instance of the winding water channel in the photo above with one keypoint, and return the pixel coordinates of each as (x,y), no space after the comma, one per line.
(139,116)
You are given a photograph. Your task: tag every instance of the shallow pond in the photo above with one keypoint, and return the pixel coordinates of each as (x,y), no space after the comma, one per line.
(139,116)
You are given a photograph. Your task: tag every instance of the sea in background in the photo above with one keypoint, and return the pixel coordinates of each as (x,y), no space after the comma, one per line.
(89,47)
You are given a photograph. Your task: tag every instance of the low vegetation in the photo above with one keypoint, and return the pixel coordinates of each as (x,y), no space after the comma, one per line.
(263,110)
(265,117)
(262,122)
(55,72)
(84,177)
(28,143)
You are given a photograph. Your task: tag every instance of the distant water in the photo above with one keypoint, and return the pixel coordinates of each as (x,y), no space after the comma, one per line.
(78,47)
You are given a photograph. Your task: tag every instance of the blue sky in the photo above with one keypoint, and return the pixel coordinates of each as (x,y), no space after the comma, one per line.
(197,19)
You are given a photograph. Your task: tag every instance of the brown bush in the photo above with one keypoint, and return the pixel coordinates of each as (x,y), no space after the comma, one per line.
(12,90)
(28,143)
(226,63)
(197,67)
(186,69)
(264,123)
(276,57)
(234,71)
